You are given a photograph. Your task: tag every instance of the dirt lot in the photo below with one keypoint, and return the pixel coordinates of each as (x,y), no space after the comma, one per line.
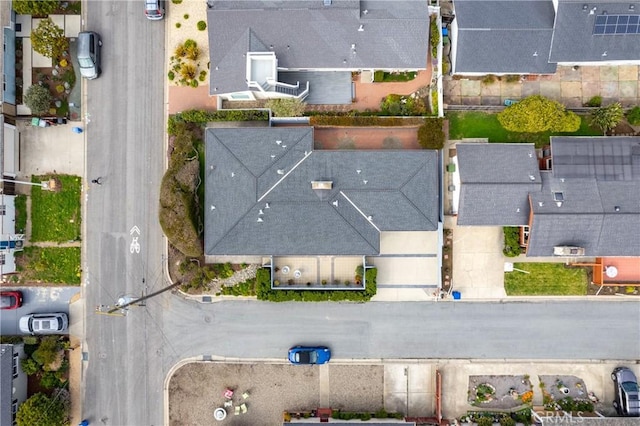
(195,390)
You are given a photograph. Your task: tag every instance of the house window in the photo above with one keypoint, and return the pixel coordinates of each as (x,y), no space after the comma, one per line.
(240,96)
(2,262)
(3,209)
(558,196)
(14,409)
(14,364)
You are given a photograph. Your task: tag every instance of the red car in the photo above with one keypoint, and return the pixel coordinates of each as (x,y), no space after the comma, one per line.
(10,299)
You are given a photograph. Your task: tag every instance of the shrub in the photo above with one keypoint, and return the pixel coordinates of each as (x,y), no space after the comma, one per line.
(193,52)
(607,118)
(201,117)
(203,76)
(430,134)
(176,1)
(633,116)
(38,99)
(201,25)
(378,76)
(512,78)
(401,105)
(178,24)
(434,38)
(511,241)
(484,421)
(35,7)
(595,101)
(188,71)
(189,42)
(489,79)
(171,75)
(29,366)
(507,421)
(48,39)
(363,121)
(47,351)
(49,380)
(536,114)
(185,16)
(288,107)
(41,410)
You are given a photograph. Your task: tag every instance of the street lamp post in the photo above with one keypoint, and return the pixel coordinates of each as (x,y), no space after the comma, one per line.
(48,185)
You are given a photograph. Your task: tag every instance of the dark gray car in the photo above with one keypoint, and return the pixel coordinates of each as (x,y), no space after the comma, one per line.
(89,43)
(626,400)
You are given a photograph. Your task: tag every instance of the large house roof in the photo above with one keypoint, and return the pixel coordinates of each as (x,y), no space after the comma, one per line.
(307,34)
(575,38)
(504,36)
(598,179)
(259,198)
(6,383)
(496,180)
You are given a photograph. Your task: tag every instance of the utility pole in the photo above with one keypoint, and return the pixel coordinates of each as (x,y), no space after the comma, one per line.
(125,302)
(47,185)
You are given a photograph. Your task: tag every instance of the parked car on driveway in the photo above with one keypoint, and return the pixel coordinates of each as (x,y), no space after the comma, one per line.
(44,323)
(154,9)
(627,392)
(89,56)
(309,355)
(10,299)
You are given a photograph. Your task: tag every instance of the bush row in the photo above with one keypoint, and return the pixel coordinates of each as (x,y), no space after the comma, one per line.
(511,241)
(264,291)
(365,416)
(202,117)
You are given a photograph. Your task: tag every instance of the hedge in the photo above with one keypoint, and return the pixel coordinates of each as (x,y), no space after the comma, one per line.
(202,117)
(363,121)
(264,291)
(430,134)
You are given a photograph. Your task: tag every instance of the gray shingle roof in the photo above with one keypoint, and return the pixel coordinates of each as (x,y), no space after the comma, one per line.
(504,36)
(265,205)
(495,182)
(6,383)
(599,180)
(309,35)
(573,38)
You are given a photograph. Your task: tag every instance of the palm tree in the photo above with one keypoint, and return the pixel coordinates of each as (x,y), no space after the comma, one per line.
(607,117)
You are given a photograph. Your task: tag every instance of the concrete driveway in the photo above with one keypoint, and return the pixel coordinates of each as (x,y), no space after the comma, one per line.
(36,300)
(55,149)
(478,262)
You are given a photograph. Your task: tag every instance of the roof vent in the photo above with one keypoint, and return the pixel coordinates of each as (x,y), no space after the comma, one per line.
(321,184)
(617,208)
(604,53)
(365,181)
(213,207)
(364,12)
(233,174)
(260,220)
(361,28)
(358,171)
(593,11)
(541,203)
(559,203)
(369,218)
(632,7)
(335,203)
(327,2)
(278,142)
(266,205)
(585,7)
(532,178)
(260,212)
(535,53)
(280,172)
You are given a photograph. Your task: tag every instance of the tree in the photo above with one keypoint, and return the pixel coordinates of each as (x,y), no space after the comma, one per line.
(536,114)
(38,99)
(47,351)
(607,117)
(29,366)
(48,39)
(430,134)
(35,7)
(289,107)
(41,410)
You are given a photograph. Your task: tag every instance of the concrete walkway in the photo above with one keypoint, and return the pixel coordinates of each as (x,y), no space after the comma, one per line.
(571,87)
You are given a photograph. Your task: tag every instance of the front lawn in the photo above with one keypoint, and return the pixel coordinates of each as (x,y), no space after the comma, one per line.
(484,125)
(55,265)
(545,279)
(55,216)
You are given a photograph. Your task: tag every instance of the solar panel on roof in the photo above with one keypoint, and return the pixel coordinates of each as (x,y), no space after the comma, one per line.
(617,24)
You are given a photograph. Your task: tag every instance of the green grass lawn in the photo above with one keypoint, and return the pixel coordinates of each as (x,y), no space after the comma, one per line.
(56,265)
(55,216)
(546,279)
(21,213)
(483,125)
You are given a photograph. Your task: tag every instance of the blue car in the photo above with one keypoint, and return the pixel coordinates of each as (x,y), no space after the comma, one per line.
(309,355)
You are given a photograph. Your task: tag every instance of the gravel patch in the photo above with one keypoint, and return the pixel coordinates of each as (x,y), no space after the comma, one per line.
(196,390)
(575,387)
(507,392)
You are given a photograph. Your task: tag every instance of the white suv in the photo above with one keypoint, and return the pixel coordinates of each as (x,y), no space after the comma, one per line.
(44,323)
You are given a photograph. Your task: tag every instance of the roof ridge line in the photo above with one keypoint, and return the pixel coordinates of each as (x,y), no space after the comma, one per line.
(377,250)
(307,155)
(411,201)
(360,211)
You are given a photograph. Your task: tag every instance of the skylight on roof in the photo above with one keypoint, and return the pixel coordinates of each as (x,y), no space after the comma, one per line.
(616,24)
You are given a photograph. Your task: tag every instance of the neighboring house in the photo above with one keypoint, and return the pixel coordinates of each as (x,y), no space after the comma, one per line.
(269,193)
(308,49)
(534,36)
(10,241)
(8,63)
(588,203)
(13,382)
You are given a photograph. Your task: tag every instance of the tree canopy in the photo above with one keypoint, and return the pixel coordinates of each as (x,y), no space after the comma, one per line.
(48,39)
(607,117)
(41,410)
(536,114)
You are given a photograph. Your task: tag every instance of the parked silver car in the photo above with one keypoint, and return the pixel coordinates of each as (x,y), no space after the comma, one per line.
(626,400)
(55,323)
(154,9)
(89,43)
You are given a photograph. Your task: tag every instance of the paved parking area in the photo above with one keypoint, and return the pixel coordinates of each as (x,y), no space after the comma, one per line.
(571,86)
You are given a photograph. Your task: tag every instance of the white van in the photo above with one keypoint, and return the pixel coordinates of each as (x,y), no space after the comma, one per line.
(89,43)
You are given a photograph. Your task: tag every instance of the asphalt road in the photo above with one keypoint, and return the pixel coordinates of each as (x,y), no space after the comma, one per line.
(35,300)
(122,380)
